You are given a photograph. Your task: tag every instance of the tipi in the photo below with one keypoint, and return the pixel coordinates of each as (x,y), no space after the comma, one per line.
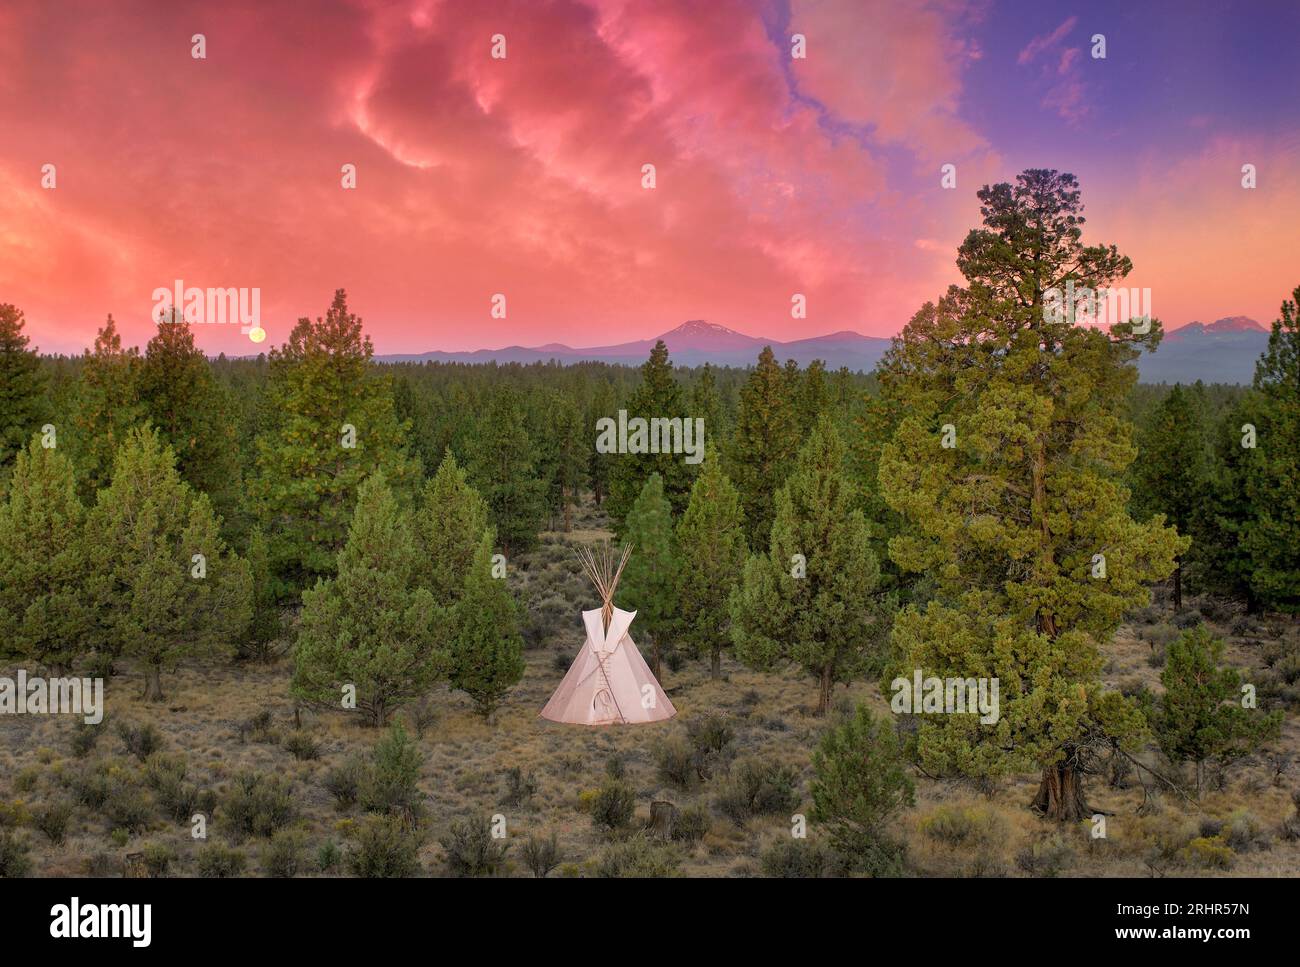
(609,682)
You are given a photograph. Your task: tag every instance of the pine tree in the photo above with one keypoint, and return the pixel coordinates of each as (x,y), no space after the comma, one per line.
(372,626)
(1271,471)
(598,464)
(257,643)
(811,599)
(334,426)
(649,582)
(192,413)
(1200,717)
(449,527)
(164,585)
(707,405)
(106,408)
(44,617)
(1007,465)
(762,445)
(502,469)
(22,388)
(711,552)
(1170,473)
(487,655)
(813,397)
(657,396)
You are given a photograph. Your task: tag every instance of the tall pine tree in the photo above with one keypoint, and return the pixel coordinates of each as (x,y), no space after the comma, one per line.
(763,444)
(107,406)
(649,582)
(22,388)
(1007,466)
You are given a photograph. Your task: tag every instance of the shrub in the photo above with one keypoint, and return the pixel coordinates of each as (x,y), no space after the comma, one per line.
(384,847)
(965,825)
(217,861)
(613,806)
(757,788)
(128,808)
(1244,832)
(710,732)
(520,787)
(302,746)
(616,766)
(344,782)
(282,856)
(158,858)
(258,804)
(52,820)
(14,859)
(141,740)
(84,737)
(471,850)
(14,814)
(860,782)
(328,857)
(638,858)
(801,859)
(675,762)
(692,824)
(1045,857)
(542,855)
(26,779)
(1210,854)
(91,788)
(390,784)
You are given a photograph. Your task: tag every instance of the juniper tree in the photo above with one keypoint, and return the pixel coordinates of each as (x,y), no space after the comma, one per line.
(1020,521)
(106,408)
(1200,716)
(763,444)
(711,552)
(1170,473)
(265,625)
(333,427)
(372,629)
(657,396)
(44,614)
(810,600)
(22,388)
(649,582)
(487,651)
(163,583)
(449,526)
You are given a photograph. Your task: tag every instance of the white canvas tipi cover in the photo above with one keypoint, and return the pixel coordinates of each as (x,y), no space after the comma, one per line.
(609,682)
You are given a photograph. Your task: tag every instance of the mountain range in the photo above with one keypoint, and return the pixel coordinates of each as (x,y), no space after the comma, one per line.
(1223,351)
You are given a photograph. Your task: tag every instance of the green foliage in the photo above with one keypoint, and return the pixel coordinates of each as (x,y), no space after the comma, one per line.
(472,850)
(283,855)
(260,638)
(810,601)
(22,388)
(638,858)
(649,582)
(106,408)
(613,806)
(763,444)
(218,861)
(372,627)
(859,786)
(163,583)
(391,784)
(711,553)
(384,846)
(802,859)
(657,396)
(44,615)
(487,654)
(257,804)
(15,855)
(758,788)
(307,480)
(541,855)
(449,527)
(502,470)
(1006,522)
(1200,716)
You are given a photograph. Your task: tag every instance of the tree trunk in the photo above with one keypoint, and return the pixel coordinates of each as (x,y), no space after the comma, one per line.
(568,515)
(1178,584)
(656,660)
(663,815)
(715,666)
(824,692)
(1060,794)
(153,684)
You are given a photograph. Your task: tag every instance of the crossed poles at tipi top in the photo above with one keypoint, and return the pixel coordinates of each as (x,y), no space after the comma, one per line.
(604,574)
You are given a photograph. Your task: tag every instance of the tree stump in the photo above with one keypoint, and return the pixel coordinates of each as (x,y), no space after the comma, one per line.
(663,815)
(134,868)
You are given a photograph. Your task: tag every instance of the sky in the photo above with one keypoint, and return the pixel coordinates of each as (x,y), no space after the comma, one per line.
(522,175)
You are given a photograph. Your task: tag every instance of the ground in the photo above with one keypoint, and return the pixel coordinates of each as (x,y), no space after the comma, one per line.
(211,709)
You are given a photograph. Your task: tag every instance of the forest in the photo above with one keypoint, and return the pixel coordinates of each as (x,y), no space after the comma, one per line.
(328,597)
